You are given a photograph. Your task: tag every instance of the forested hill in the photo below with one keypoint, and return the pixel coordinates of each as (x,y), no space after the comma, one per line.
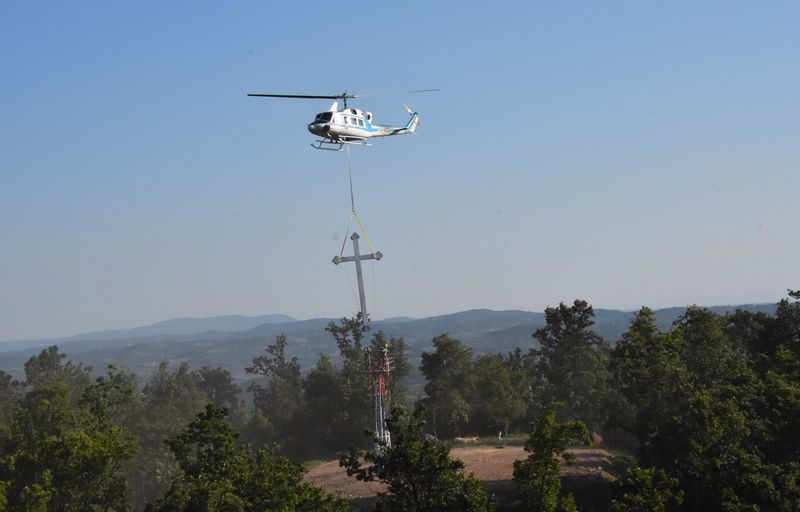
(175,326)
(203,342)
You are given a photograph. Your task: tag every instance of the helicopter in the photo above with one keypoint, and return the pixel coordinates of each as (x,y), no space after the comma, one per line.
(337,127)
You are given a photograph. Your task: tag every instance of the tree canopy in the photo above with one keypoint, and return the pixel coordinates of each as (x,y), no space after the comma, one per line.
(418,471)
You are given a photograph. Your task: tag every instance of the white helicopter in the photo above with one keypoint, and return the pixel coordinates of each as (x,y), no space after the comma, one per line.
(338,127)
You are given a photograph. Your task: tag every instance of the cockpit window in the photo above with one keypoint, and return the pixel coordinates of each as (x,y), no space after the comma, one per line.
(325,116)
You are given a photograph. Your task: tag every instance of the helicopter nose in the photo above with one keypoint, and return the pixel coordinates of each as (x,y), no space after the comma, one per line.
(318,128)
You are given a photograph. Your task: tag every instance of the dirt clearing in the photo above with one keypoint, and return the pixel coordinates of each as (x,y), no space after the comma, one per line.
(489,464)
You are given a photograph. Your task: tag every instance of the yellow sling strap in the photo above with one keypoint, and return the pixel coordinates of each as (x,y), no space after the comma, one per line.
(353,214)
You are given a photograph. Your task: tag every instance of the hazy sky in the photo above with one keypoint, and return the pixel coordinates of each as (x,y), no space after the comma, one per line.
(627,153)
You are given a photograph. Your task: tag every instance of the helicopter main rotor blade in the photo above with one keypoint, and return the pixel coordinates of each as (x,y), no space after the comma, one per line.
(302,96)
(342,96)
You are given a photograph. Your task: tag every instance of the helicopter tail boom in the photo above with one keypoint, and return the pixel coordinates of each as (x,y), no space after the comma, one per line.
(410,127)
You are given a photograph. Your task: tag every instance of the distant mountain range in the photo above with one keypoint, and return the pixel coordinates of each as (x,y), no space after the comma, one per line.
(176,326)
(233,341)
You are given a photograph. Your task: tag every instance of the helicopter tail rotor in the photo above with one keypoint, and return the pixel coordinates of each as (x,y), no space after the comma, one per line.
(415,119)
(411,127)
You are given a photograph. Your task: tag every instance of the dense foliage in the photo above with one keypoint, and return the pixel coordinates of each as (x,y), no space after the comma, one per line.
(327,410)
(58,455)
(715,404)
(218,476)
(538,475)
(418,471)
(646,489)
(708,410)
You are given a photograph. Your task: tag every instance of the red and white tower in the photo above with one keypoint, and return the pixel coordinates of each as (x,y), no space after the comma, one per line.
(379,365)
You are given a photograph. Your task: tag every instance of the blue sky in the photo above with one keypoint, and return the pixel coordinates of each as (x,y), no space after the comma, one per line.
(627,153)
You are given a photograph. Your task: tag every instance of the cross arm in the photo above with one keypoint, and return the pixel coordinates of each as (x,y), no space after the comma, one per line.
(339,259)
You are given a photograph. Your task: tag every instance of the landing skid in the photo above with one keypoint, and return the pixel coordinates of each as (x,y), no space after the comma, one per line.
(337,145)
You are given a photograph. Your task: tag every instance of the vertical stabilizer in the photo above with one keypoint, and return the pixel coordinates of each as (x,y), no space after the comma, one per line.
(412,123)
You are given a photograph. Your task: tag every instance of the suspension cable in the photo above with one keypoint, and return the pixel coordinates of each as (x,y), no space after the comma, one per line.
(350,175)
(353,213)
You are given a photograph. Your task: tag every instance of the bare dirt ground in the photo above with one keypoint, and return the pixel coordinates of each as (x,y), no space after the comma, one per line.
(491,465)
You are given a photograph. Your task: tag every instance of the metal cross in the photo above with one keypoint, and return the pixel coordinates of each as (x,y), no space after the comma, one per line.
(358,258)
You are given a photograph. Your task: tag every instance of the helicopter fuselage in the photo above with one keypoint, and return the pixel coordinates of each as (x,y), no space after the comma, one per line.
(351,124)
(338,127)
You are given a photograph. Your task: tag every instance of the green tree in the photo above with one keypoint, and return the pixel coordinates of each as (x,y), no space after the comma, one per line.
(216,475)
(710,411)
(646,490)
(221,390)
(418,472)
(522,370)
(650,374)
(10,393)
(50,365)
(538,476)
(781,408)
(448,370)
(572,363)
(711,443)
(772,344)
(710,356)
(786,329)
(30,446)
(339,400)
(775,358)
(170,399)
(325,418)
(349,335)
(3,499)
(63,458)
(496,400)
(282,397)
(108,448)
(354,385)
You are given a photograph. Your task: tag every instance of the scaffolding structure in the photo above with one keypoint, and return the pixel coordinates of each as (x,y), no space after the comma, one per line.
(379,366)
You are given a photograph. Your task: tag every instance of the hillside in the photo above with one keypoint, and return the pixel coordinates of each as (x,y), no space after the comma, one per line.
(485,331)
(173,327)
